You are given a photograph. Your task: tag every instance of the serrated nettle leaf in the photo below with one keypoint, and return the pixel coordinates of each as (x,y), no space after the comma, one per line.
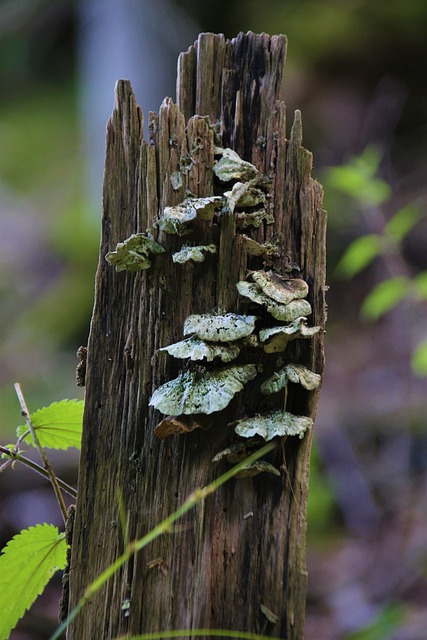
(384,297)
(207,392)
(27,563)
(359,254)
(419,359)
(277,338)
(253,218)
(285,312)
(133,254)
(193,253)
(214,327)
(196,349)
(255,468)
(402,222)
(280,289)
(58,426)
(232,167)
(275,423)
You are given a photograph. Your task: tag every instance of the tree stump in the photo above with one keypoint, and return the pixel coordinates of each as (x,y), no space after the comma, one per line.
(238,562)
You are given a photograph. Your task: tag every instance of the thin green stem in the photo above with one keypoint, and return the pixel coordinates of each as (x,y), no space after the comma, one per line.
(46,463)
(14,456)
(199,495)
(197,633)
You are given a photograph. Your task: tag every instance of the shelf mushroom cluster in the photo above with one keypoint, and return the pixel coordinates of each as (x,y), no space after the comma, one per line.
(189,400)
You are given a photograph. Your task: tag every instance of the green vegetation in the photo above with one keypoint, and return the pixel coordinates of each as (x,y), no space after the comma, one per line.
(358,180)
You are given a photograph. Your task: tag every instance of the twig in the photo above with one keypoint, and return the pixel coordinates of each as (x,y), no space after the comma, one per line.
(46,463)
(15,456)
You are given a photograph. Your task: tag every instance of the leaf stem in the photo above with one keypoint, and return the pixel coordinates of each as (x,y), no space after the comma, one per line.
(13,455)
(50,472)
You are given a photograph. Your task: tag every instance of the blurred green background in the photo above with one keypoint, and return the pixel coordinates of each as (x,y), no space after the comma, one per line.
(356,69)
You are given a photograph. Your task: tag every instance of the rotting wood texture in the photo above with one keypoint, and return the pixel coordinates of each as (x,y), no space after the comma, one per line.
(243,552)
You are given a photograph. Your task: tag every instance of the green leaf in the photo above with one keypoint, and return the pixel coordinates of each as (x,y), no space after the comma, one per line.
(419,359)
(384,296)
(420,285)
(27,564)
(58,426)
(357,178)
(402,222)
(359,254)
(388,621)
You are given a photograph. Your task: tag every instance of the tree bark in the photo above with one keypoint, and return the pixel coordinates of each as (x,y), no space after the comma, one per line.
(246,546)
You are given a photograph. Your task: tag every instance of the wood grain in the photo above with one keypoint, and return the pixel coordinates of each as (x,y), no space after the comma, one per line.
(220,564)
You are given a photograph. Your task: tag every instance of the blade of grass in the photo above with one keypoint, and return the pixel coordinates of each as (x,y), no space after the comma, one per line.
(199,495)
(198,633)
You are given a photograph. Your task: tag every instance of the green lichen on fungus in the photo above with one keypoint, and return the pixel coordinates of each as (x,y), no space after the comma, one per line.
(196,349)
(254,248)
(219,328)
(176,219)
(232,167)
(296,373)
(285,312)
(133,253)
(244,194)
(176,180)
(193,392)
(275,423)
(299,374)
(253,218)
(280,289)
(193,253)
(277,338)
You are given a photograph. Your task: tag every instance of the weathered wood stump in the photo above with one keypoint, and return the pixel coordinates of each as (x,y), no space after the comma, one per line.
(246,546)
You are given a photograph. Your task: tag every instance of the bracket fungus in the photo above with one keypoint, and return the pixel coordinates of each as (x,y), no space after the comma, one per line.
(173,425)
(133,253)
(275,423)
(285,312)
(255,468)
(236,452)
(280,289)
(253,218)
(193,253)
(232,167)
(299,374)
(240,451)
(244,194)
(197,349)
(219,328)
(296,373)
(175,220)
(192,392)
(254,248)
(276,338)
